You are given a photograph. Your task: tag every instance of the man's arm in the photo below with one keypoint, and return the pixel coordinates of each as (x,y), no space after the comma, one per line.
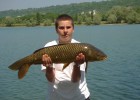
(76,74)
(49,69)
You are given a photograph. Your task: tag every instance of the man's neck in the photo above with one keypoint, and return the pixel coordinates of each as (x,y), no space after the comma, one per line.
(60,42)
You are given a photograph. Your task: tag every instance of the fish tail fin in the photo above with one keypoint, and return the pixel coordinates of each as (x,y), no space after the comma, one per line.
(16,65)
(22,65)
(23,70)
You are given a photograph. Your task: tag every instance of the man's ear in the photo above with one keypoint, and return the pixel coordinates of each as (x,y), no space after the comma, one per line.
(56,31)
(73,31)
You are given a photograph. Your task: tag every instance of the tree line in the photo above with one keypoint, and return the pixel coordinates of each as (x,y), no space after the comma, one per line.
(117,14)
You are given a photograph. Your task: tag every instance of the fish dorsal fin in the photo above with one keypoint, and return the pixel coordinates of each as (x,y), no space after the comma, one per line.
(51,46)
(47,47)
(38,50)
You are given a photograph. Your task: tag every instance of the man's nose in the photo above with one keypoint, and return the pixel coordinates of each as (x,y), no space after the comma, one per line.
(65,29)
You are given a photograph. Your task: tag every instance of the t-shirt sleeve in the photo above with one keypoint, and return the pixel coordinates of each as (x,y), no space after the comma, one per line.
(83,66)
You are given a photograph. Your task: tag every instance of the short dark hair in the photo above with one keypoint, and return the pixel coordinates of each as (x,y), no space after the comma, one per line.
(63,17)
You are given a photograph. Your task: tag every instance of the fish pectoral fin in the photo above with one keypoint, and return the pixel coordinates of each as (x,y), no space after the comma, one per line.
(23,70)
(65,65)
(86,66)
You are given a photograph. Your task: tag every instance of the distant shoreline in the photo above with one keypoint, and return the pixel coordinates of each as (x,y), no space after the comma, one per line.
(53,25)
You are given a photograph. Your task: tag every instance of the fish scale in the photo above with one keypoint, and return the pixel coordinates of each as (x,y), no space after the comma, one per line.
(63,53)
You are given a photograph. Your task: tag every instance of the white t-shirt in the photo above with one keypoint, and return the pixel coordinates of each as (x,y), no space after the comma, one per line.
(63,88)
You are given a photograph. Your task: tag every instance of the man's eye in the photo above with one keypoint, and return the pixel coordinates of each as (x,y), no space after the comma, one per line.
(68,27)
(61,27)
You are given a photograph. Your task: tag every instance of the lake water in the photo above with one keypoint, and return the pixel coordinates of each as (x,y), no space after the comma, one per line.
(117,78)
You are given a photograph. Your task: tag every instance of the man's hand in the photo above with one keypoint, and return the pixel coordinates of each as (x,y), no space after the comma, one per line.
(80,59)
(46,60)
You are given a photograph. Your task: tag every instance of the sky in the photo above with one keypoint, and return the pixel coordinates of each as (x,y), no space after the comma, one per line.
(24,4)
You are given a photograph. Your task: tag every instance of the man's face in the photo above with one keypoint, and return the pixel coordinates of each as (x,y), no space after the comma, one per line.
(65,31)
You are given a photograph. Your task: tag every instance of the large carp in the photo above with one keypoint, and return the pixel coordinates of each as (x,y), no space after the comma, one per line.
(63,53)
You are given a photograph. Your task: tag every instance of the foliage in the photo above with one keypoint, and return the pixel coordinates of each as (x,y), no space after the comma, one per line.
(120,14)
(88,13)
(74,8)
(111,19)
(97,19)
(9,21)
(38,18)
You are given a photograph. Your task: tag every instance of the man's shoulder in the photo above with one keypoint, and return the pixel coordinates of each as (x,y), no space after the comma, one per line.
(74,41)
(51,43)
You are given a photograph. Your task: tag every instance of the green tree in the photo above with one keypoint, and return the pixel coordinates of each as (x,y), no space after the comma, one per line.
(9,21)
(137,18)
(97,19)
(47,22)
(117,11)
(88,21)
(18,20)
(79,19)
(131,17)
(38,18)
(111,19)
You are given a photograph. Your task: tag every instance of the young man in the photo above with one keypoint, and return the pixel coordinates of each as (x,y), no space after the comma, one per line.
(70,83)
